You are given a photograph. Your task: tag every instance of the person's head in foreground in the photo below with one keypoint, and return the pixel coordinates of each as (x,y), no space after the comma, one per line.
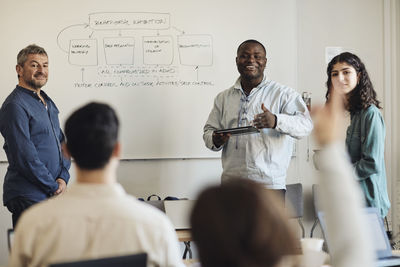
(92,136)
(241,224)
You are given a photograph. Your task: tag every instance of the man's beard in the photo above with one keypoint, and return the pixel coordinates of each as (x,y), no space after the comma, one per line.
(36,84)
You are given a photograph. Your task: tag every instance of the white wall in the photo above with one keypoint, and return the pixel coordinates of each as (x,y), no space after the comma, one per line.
(398,44)
(355,25)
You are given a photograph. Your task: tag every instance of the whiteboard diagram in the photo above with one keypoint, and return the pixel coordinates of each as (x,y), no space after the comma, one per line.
(160,69)
(117,47)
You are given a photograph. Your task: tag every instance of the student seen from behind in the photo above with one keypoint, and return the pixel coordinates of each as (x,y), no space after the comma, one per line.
(95,218)
(240,224)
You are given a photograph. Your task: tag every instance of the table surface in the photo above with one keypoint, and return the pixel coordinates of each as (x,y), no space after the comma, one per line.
(190,262)
(184,235)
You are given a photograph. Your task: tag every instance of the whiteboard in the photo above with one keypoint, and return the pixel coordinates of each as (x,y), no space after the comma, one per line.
(158,63)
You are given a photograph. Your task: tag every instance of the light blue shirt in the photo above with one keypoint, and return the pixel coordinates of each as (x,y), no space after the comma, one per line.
(265,156)
(365,141)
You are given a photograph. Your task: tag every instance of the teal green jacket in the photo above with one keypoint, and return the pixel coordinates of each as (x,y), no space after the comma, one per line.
(365,141)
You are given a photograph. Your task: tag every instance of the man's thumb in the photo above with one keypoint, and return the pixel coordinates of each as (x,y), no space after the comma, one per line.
(263,107)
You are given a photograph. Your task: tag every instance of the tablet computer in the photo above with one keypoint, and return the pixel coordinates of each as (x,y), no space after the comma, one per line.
(239,130)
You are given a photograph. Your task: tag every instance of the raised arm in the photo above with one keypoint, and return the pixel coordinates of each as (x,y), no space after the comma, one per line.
(341,196)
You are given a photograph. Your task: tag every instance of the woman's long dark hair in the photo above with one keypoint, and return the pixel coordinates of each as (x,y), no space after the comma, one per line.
(363,95)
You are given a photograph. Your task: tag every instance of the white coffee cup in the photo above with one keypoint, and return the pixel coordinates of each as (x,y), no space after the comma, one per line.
(314,244)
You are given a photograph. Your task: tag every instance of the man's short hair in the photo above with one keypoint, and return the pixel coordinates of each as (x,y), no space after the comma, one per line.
(30,49)
(251,41)
(92,132)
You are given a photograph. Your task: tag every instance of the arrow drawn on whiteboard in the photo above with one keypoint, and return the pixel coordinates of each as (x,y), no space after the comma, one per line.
(83,72)
(181,31)
(197,72)
(85,25)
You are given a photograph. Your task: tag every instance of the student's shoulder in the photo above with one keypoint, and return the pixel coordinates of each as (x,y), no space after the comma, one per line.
(147,215)
(371,112)
(34,215)
(372,109)
(142,209)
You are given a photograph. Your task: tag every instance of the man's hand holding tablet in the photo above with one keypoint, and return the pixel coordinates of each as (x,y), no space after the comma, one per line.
(221,136)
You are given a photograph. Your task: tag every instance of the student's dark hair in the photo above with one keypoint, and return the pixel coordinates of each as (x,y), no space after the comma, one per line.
(363,95)
(241,224)
(91,133)
(251,41)
(30,49)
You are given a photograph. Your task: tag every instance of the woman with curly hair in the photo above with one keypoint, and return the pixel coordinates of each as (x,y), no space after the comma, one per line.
(365,137)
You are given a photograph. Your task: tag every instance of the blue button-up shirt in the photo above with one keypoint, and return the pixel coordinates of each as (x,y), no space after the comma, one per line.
(32,142)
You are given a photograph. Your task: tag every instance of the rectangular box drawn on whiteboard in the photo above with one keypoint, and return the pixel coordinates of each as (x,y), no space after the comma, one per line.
(195,50)
(129,21)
